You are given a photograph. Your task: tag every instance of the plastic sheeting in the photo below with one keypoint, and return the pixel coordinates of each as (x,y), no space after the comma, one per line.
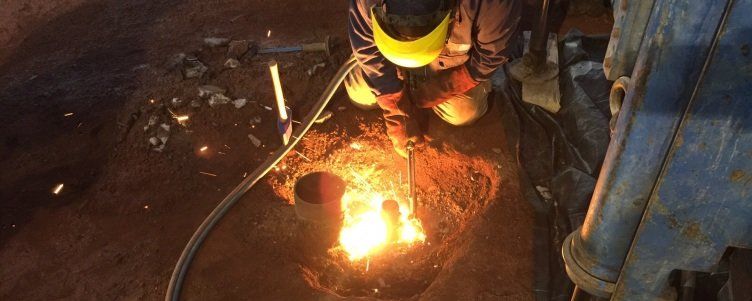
(562,152)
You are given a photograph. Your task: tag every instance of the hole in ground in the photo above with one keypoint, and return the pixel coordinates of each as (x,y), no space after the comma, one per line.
(450,193)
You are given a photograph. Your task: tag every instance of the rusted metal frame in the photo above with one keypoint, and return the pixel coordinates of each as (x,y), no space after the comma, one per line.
(673,56)
(701,204)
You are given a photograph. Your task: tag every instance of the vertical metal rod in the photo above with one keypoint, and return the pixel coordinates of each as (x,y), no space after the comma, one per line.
(411,179)
(539,34)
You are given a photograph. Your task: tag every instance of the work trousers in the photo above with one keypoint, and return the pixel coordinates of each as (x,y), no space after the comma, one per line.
(460,110)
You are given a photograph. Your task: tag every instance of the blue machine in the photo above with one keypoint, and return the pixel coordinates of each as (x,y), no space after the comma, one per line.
(675,189)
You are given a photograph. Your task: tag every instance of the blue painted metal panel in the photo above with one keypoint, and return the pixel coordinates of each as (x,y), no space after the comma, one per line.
(680,33)
(630,19)
(702,203)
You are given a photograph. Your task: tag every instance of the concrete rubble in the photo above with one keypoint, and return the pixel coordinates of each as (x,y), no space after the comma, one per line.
(255,140)
(240,102)
(206,91)
(232,63)
(176,102)
(311,71)
(216,42)
(218,99)
(193,68)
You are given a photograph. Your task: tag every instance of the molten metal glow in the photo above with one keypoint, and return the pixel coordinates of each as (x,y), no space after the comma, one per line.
(365,230)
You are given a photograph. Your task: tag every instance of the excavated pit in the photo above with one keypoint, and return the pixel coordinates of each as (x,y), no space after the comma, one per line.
(399,271)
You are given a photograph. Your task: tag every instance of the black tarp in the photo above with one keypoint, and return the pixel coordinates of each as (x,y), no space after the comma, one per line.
(560,153)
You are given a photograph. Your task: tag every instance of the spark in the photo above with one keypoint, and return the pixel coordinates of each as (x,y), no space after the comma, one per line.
(181,118)
(228,146)
(68,114)
(203,148)
(269,33)
(365,230)
(304,157)
(207,173)
(152,101)
(146,206)
(58,188)
(245,174)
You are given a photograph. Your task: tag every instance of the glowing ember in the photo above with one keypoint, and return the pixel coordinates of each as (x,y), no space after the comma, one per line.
(366,230)
(203,148)
(58,188)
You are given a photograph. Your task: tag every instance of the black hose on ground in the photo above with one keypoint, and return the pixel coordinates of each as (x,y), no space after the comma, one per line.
(181,268)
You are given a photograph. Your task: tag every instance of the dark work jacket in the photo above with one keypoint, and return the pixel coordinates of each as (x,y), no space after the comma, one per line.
(481,34)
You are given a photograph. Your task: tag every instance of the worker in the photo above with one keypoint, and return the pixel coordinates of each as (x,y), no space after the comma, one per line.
(419,54)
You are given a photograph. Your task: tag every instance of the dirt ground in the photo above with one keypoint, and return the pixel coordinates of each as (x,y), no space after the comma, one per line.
(126,211)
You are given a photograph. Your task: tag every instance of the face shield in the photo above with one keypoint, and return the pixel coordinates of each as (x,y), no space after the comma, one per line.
(404,50)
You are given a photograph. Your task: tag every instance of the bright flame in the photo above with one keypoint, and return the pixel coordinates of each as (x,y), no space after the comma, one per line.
(365,231)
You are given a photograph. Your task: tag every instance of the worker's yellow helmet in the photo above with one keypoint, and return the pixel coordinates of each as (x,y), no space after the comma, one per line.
(410,53)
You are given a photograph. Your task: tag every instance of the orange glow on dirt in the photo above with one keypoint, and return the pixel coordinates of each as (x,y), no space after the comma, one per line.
(365,230)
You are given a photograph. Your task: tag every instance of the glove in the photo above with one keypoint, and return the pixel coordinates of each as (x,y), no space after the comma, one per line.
(443,86)
(401,126)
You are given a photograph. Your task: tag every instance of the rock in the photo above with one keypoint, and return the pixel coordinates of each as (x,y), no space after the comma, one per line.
(175,61)
(325,115)
(238,48)
(218,99)
(152,120)
(232,63)
(311,71)
(240,102)
(195,103)
(209,90)
(163,132)
(256,141)
(216,42)
(176,102)
(193,68)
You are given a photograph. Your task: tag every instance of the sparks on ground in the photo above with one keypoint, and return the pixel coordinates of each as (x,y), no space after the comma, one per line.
(203,148)
(365,231)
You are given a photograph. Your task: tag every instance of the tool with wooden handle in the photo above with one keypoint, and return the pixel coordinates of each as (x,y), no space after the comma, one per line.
(284,122)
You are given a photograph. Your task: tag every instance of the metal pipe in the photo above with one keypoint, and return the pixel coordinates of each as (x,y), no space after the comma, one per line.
(412,194)
(539,35)
(181,268)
